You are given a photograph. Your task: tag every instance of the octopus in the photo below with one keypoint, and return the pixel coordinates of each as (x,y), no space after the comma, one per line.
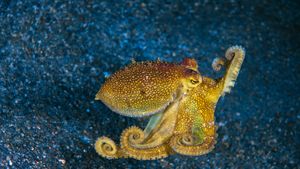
(179,101)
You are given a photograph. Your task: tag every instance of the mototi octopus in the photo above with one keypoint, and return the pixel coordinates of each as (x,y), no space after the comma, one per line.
(179,100)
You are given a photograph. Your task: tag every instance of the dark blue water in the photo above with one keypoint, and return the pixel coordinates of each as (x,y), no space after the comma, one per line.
(54,55)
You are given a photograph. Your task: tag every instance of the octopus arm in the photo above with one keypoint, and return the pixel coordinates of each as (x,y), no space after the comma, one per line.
(153,122)
(235,56)
(159,129)
(107,148)
(135,135)
(185,144)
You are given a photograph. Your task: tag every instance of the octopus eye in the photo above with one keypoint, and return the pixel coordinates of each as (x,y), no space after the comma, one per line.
(194,81)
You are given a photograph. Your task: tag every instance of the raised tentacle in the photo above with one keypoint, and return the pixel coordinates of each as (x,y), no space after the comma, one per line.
(133,136)
(235,55)
(218,63)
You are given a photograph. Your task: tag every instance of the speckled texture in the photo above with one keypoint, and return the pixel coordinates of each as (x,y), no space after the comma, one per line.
(54,55)
(146,88)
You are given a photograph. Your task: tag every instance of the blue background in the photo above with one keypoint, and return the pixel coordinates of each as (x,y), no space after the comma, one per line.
(54,55)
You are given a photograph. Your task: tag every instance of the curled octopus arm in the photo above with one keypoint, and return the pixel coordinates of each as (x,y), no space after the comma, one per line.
(233,60)
(130,137)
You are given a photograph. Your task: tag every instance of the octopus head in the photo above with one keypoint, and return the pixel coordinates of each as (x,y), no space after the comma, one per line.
(192,79)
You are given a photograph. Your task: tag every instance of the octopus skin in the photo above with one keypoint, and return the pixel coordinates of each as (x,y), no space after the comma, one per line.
(144,89)
(186,126)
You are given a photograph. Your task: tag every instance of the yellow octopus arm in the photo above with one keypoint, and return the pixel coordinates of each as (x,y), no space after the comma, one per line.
(235,56)
(162,131)
(131,136)
(107,148)
(135,135)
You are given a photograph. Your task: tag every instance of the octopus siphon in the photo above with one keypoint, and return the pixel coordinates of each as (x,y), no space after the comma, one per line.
(179,101)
